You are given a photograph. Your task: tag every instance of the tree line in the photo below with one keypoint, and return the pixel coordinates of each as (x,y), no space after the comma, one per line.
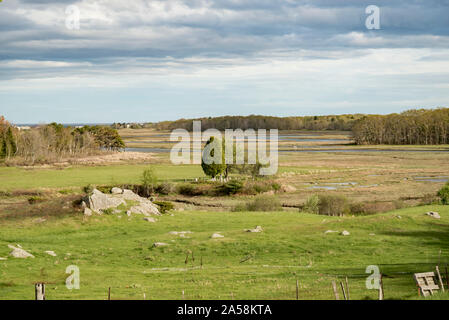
(419,127)
(333,122)
(52,142)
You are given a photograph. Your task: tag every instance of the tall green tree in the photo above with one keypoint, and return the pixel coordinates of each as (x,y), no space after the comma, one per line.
(213,158)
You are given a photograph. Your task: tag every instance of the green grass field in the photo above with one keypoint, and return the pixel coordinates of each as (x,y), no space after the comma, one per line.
(13,178)
(117,252)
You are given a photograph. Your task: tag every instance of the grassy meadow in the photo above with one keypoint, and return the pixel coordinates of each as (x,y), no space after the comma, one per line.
(117,251)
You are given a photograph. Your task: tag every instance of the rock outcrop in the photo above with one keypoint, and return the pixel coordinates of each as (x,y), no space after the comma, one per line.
(99,201)
(19,252)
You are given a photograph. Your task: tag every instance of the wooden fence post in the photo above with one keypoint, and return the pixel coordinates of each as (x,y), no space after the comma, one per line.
(343,290)
(440,279)
(447,279)
(334,286)
(381,288)
(39,290)
(347,287)
(109,293)
(297,290)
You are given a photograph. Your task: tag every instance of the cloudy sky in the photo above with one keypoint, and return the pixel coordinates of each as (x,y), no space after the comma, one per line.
(155,60)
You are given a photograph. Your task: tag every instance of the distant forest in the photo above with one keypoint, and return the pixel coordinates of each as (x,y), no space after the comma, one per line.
(421,127)
(333,122)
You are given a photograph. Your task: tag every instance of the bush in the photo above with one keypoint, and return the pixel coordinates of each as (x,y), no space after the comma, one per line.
(149,181)
(333,205)
(312,204)
(444,194)
(88,189)
(231,187)
(35,199)
(261,203)
(188,189)
(429,198)
(164,206)
(165,188)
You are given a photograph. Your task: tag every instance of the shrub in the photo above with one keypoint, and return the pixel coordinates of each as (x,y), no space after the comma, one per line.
(444,194)
(312,204)
(104,189)
(88,189)
(333,205)
(231,187)
(429,198)
(149,181)
(164,206)
(261,203)
(35,199)
(165,188)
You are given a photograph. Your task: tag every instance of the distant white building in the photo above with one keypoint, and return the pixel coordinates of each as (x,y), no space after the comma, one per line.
(24,128)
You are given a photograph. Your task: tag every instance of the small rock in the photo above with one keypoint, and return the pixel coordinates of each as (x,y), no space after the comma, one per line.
(51,253)
(88,212)
(372,234)
(159,244)
(399,217)
(257,229)
(345,233)
(149,219)
(176,233)
(116,191)
(19,252)
(128,213)
(3,259)
(330,231)
(216,236)
(433,214)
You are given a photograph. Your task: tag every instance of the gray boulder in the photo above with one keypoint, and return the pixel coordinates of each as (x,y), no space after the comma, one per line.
(432,214)
(99,201)
(146,207)
(87,212)
(217,236)
(159,244)
(19,252)
(116,191)
(51,253)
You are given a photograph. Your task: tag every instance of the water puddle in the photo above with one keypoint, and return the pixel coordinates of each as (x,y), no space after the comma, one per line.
(432,179)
